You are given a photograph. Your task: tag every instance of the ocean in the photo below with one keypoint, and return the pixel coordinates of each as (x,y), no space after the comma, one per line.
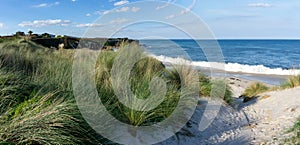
(250,59)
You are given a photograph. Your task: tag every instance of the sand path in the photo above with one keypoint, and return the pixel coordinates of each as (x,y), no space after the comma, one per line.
(261,121)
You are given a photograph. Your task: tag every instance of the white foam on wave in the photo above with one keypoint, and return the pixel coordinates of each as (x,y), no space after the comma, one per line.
(230,67)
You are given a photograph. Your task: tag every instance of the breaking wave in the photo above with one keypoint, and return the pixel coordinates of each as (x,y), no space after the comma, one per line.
(229,67)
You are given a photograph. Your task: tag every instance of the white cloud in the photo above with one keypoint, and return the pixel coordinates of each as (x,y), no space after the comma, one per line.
(123,9)
(122,2)
(73,0)
(89,25)
(262,5)
(40,23)
(189,8)
(185,11)
(102,12)
(135,9)
(118,21)
(41,5)
(1,25)
(105,12)
(170,16)
(46,5)
(126,9)
(88,14)
(166,5)
(98,12)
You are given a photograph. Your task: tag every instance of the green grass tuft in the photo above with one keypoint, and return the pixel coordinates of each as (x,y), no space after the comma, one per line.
(254,89)
(294,140)
(291,82)
(215,88)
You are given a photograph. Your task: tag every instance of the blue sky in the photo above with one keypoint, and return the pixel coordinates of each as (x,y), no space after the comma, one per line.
(255,19)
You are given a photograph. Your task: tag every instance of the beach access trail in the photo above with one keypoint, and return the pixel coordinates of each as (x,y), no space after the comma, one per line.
(261,121)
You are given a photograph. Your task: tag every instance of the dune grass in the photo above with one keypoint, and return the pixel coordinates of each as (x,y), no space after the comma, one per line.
(221,89)
(140,78)
(291,82)
(257,88)
(294,140)
(36,100)
(37,105)
(254,89)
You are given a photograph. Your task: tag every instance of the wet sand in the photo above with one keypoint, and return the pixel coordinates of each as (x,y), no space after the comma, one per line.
(267,79)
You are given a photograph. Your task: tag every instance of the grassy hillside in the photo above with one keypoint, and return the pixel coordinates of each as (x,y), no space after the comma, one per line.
(37,105)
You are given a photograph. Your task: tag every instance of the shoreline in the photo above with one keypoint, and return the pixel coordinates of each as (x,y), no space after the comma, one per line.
(274,80)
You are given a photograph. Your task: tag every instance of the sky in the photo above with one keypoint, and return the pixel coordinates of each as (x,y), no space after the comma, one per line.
(230,19)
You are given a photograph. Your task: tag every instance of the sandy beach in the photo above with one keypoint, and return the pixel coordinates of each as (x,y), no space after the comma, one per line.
(260,121)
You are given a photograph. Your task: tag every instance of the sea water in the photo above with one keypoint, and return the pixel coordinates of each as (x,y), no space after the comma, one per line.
(251,59)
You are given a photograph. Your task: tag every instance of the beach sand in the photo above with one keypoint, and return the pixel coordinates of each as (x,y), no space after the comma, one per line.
(260,121)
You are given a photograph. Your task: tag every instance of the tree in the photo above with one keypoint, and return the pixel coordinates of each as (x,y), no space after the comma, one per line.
(30,32)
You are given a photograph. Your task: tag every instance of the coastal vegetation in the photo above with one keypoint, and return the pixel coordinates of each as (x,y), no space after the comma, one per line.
(37,104)
(221,88)
(253,90)
(294,140)
(256,88)
(291,82)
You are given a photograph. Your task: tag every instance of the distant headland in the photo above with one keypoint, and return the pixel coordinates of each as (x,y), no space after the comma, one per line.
(69,42)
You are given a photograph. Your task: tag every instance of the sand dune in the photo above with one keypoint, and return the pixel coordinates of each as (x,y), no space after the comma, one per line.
(259,121)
